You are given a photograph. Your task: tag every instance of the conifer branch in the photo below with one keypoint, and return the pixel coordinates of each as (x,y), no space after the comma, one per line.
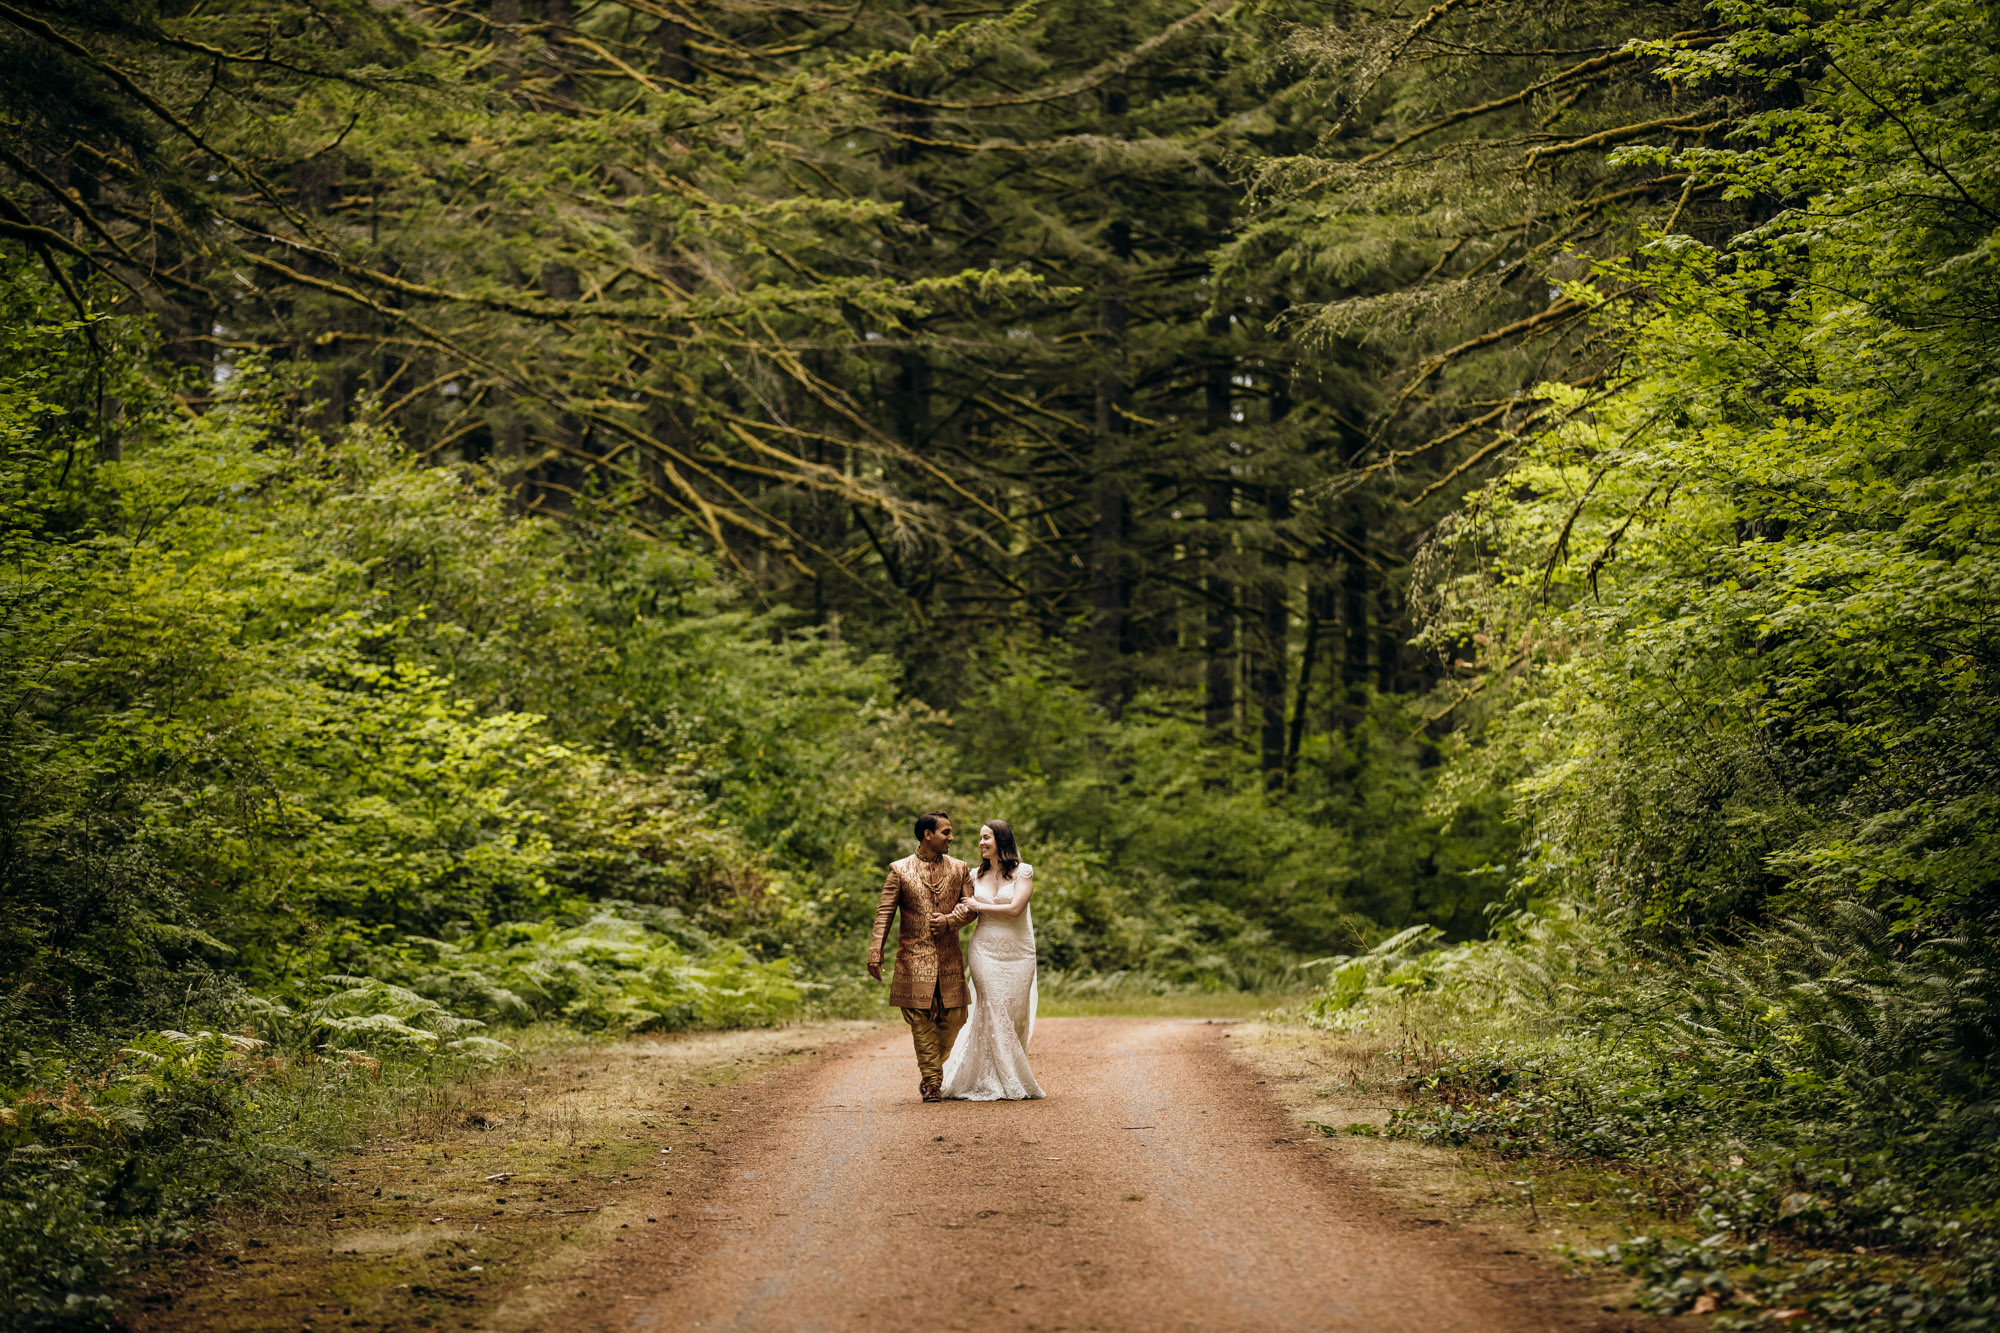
(1594,69)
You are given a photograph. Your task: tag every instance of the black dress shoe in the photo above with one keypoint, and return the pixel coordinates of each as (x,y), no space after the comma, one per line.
(931,1092)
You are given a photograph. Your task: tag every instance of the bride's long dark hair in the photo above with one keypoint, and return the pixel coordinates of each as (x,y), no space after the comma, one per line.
(1003,843)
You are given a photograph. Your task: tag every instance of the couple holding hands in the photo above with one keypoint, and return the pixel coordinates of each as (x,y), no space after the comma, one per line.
(971,1040)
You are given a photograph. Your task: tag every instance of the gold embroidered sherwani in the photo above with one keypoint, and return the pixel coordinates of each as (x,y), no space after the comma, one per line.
(929,980)
(929,963)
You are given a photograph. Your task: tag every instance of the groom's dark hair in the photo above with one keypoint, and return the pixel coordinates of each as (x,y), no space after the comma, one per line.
(927,822)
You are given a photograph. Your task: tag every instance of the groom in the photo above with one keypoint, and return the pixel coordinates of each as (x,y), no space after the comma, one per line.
(930,889)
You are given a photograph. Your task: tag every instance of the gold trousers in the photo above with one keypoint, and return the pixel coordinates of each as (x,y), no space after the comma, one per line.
(934,1030)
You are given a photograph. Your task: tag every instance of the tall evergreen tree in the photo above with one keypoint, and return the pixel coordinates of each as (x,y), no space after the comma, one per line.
(574,240)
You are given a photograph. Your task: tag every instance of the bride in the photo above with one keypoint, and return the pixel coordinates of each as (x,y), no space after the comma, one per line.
(990,1061)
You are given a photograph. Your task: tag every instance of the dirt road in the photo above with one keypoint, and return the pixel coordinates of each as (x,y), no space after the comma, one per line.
(1156,1188)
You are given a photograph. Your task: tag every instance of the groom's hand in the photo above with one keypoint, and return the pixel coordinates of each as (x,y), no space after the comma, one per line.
(875,968)
(937,920)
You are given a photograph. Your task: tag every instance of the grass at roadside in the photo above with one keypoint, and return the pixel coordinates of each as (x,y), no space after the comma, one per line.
(1179,1004)
(1217,1004)
(1346,1086)
(474,1205)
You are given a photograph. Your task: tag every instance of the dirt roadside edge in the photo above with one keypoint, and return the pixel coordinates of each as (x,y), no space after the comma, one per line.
(1326,1083)
(475,1213)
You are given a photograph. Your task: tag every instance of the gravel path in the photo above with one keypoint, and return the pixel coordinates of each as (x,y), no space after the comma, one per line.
(1156,1188)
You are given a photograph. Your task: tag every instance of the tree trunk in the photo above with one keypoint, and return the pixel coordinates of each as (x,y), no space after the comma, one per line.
(1276,640)
(1277,615)
(316,188)
(670,41)
(1219,501)
(1319,610)
(1354,620)
(1110,585)
(560,17)
(1107,535)
(565,472)
(1389,641)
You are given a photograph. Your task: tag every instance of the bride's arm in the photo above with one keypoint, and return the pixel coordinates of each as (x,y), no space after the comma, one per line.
(964,911)
(1024,888)
(974,904)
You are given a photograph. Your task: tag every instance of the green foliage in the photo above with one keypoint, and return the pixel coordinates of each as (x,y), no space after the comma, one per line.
(102,1159)
(1163,854)
(608,972)
(1755,587)
(1739,614)
(276,701)
(274,704)
(261,722)
(1736,624)
(115,1148)
(570,227)
(1809,1113)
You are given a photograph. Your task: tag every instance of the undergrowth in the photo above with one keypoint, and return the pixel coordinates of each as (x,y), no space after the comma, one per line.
(117,1148)
(1800,1128)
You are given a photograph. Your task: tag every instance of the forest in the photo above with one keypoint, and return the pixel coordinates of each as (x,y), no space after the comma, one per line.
(1467,517)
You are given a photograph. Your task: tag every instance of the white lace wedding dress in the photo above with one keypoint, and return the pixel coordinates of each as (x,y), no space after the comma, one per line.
(989,1063)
